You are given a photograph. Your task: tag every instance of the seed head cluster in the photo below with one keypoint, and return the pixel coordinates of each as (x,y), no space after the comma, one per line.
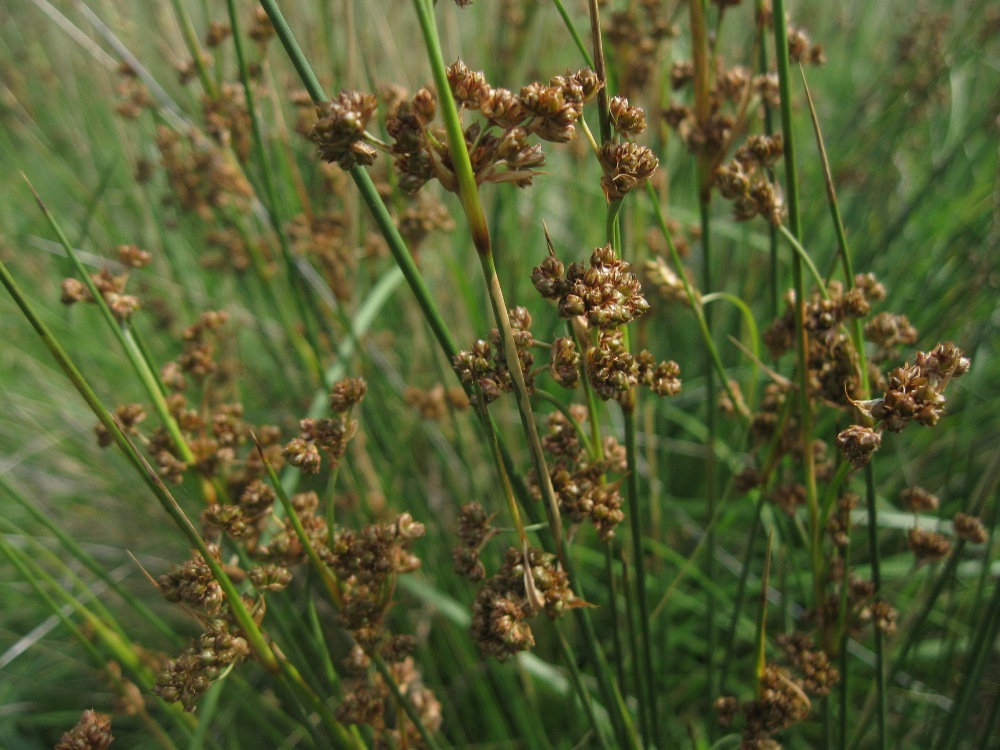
(92,732)
(581,485)
(526,584)
(606,295)
(484,367)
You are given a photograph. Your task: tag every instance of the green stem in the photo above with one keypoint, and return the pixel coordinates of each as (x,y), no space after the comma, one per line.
(801,340)
(308,351)
(880,657)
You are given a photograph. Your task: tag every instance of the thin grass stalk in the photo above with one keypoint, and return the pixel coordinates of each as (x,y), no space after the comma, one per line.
(975,664)
(693,298)
(32,574)
(801,340)
(142,369)
(108,631)
(760,640)
(309,356)
(741,589)
(880,656)
(468,193)
(255,638)
(647,698)
(577,40)
(78,553)
(194,48)
(577,680)
(647,738)
(763,68)
(603,107)
(616,631)
(710,468)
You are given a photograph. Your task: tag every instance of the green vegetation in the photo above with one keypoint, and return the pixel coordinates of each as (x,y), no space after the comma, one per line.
(446,385)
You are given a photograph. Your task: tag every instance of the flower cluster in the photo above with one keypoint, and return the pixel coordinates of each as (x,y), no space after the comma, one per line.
(185,678)
(579,481)
(340,129)
(369,700)
(110,285)
(327,436)
(606,295)
(731,91)
(834,374)
(92,732)
(364,562)
(745,180)
(199,175)
(475,531)
(914,393)
(499,144)
(485,365)
(527,582)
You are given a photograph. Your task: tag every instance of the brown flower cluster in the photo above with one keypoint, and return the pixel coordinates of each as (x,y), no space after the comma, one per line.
(484,367)
(781,702)
(526,584)
(499,144)
(607,295)
(186,678)
(110,285)
(227,119)
(369,700)
(833,371)
(475,530)
(733,91)
(366,563)
(327,436)
(134,98)
(638,35)
(435,403)
(199,176)
(92,732)
(914,393)
(339,133)
(747,180)
(579,480)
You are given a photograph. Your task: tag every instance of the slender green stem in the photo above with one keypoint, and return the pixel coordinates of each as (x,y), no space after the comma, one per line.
(693,299)
(308,352)
(577,40)
(194,48)
(801,340)
(880,656)
(642,688)
(581,690)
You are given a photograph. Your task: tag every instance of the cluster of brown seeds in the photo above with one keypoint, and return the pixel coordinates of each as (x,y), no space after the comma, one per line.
(484,367)
(92,732)
(329,436)
(185,679)
(604,296)
(111,286)
(746,180)
(833,371)
(475,530)
(527,583)
(914,393)
(580,481)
